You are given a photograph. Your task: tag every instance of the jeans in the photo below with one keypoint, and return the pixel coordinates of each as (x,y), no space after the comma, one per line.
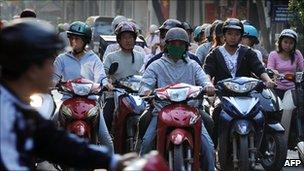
(207,156)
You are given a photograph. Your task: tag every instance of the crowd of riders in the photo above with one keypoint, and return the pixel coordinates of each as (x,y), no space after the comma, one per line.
(174,52)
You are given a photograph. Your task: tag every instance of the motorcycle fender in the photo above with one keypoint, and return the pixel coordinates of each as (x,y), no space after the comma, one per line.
(276,127)
(242,127)
(178,136)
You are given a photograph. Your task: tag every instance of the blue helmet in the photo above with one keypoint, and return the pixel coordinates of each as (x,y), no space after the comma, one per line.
(250,31)
(197,31)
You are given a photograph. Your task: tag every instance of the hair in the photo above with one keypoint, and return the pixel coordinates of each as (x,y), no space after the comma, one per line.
(217,41)
(293,51)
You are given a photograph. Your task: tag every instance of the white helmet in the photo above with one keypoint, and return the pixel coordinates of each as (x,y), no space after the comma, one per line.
(153,29)
(289,33)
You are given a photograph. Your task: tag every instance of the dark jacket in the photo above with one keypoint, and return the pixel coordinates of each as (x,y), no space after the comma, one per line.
(159,55)
(52,144)
(247,63)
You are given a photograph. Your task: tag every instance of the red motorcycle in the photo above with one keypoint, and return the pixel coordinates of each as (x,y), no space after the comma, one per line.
(129,107)
(179,126)
(79,113)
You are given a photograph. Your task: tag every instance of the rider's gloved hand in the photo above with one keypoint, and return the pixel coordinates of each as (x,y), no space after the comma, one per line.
(210,90)
(124,160)
(109,86)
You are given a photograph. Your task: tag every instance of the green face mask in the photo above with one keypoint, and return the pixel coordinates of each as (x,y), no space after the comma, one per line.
(176,51)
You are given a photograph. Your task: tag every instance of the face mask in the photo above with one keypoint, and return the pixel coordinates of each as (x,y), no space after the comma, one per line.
(176,51)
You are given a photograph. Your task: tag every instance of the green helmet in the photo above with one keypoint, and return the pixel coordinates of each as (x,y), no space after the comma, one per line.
(80,29)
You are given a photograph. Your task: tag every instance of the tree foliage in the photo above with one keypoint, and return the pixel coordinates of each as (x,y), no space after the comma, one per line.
(297,6)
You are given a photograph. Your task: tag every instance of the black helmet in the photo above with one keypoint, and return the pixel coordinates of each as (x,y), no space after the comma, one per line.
(187,27)
(80,29)
(27,41)
(170,23)
(177,34)
(233,23)
(125,27)
(219,29)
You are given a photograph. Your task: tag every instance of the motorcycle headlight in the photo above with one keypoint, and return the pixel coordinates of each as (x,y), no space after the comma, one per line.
(81,89)
(93,112)
(178,95)
(36,100)
(241,88)
(66,111)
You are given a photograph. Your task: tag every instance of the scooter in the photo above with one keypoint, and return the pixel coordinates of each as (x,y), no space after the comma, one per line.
(79,113)
(293,114)
(179,125)
(247,131)
(128,109)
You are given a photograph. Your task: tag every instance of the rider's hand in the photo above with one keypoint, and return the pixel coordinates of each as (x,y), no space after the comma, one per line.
(270,84)
(210,90)
(124,160)
(109,86)
(147,93)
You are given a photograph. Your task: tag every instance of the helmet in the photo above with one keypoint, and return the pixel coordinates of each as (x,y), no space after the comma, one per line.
(289,33)
(187,27)
(246,22)
(208,31)
(28,13)
(177,34)
(80,29)
(153,29)
(197,31)
(219,29)
(250,31)
(26,41)
(205,25)
(66,26)
(170,23)
(233,23)
(118,19)
(125,27)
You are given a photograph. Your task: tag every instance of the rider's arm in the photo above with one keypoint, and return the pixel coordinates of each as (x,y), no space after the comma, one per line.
(149,80)
(210,64)
(300,60)
(271,60)
(99,73)
(62,148)
(58,69)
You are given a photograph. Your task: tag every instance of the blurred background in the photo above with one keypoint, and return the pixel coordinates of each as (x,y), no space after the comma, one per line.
(269,16)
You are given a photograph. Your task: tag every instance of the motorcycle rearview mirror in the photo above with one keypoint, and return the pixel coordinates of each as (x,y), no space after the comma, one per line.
(270,73)
(113,68)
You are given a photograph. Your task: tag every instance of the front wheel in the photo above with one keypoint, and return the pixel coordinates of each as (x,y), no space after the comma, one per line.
(274,153)
(244,154)
(178,158)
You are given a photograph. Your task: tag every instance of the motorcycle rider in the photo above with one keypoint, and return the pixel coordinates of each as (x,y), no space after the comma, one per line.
(129,62)
(175,66)
(287,59)
(27,49)
(82,63)
(115,46)
(250,38)
(232,60)
(203,50)
(167,25)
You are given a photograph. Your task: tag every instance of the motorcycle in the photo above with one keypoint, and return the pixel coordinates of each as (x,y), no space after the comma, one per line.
(249,130)
(179,125)
(79,114)
(129,107)
(293,114)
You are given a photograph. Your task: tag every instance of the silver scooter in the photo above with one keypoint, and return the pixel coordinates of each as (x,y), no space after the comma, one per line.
(293,113)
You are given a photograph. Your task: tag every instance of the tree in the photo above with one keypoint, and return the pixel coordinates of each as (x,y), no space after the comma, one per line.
(297,6)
